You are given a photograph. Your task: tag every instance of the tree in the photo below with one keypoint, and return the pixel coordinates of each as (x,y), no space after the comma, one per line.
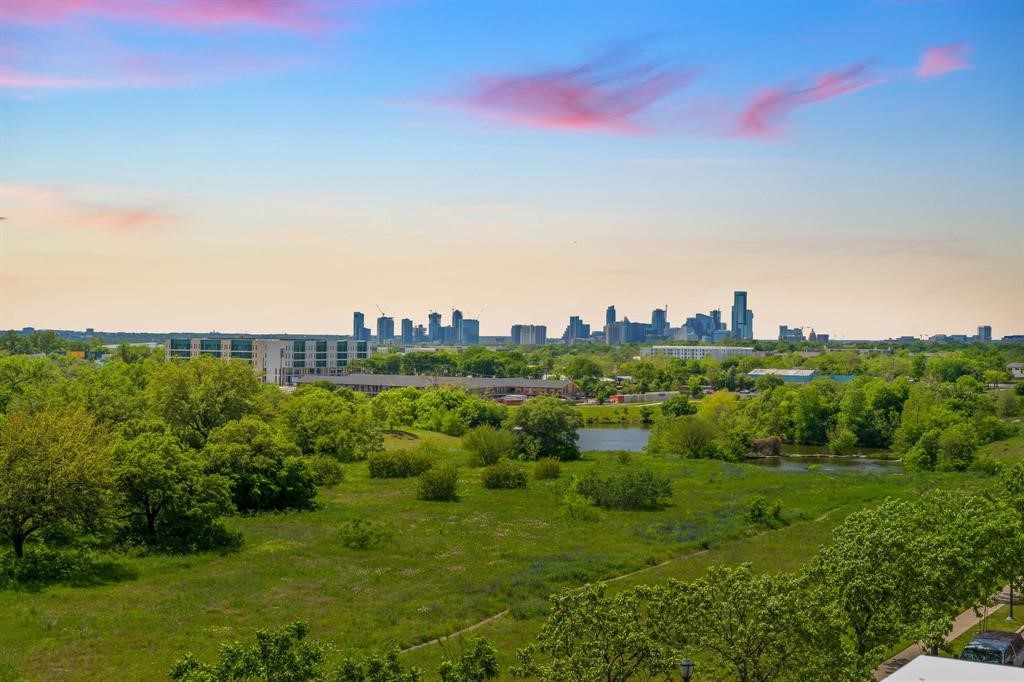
(322,422)
(592,636)
(753,627)
(282,655)
(196,396)
(478,663)
(20,375)
(487,445)
(546,427)
(168,499)
(376,668)
(53,468)
(691,436)
(677,406)
(958,446)
(265,468)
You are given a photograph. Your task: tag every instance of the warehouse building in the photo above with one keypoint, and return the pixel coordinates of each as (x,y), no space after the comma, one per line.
(372,384)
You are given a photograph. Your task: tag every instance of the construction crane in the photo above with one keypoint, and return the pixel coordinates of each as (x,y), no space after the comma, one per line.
(382,313)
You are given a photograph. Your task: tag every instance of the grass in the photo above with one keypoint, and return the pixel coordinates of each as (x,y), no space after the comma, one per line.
(444,566)
(1009,450)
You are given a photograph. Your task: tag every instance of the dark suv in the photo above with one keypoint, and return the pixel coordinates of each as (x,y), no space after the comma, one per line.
(1001,648)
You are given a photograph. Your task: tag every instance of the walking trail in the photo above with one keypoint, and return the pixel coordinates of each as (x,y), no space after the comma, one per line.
(964,622)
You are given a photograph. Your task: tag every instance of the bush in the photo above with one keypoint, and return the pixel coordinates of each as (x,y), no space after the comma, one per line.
(575,506)
(677,406)
(487,445)
(991,429)
(547,428)
(767,447)
(633,490)
(842,442)
(403,463)
(546,468)
(359,534)
(504,474)
(439,484)
(326,471)
(762,512)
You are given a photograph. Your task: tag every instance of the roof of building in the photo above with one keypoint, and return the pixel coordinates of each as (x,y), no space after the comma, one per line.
(935,669)
(1015,365)
(782,372)
(402,381)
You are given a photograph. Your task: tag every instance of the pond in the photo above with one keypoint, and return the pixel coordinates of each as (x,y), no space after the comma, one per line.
(794,457)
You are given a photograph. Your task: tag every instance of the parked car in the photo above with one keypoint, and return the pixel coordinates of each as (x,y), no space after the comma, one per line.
(1001,648)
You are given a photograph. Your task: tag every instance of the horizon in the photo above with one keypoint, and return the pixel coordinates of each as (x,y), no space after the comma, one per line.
(856,168)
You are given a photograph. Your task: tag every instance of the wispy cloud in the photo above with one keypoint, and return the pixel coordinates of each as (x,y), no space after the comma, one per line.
(300,15)
(62,209)
(609,94)
(767,111)
(939,60)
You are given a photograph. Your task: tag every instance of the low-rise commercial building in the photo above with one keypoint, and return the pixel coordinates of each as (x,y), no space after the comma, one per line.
(372,384)
(802,376)
(696,352)
(275,361)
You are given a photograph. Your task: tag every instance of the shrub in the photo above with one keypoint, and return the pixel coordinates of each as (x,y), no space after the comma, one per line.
(478,663)
(624,457)
(991,429)
(546,468)
(402,463)
(575,506)
(677,406)
(504,474)
(359,534)
(326,471)
(487,445)
(762,512)
(547,428)
(439,484)
(767,447)
(842,442)
(633,490)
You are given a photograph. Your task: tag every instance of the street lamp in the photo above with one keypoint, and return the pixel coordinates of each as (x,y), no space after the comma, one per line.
(686,669)
(1010,617)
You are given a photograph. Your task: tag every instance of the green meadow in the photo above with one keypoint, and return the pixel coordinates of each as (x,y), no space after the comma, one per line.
(441,567)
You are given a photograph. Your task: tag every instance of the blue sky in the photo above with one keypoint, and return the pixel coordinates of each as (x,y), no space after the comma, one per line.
(857,167)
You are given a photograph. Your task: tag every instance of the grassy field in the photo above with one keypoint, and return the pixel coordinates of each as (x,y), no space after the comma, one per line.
(1009,450)
(445,566)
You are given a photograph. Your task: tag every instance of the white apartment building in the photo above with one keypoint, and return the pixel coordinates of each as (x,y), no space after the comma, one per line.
(695,352)
(275,361)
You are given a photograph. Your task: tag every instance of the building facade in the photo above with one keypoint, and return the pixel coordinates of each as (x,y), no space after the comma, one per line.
(276,361)
(696,352)
(529,334)
(742,317)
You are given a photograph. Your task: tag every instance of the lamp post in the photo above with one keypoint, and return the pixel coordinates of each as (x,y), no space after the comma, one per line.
(1010,617)
(686,669)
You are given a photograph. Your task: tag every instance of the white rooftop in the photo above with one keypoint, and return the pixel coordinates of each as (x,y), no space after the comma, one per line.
(782,372)
(934,669)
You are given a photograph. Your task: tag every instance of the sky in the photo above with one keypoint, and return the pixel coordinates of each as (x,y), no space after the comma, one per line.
(271,166)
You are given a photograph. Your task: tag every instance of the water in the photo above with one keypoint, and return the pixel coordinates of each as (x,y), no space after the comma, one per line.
(634,439)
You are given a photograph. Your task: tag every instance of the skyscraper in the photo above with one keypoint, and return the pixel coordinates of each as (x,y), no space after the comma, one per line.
(659,322)
(407,333)
(985,333)
(457,325)
(742,317)
(529,334)
(434,327)
(359,330)
(609,315)
(470,332)
(578,330)
(385,329)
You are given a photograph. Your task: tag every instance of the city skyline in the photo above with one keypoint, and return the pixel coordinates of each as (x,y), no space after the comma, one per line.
(855,167)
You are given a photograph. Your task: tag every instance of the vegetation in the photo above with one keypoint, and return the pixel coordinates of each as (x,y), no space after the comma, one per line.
(403,463)
(486,445)
(504,474)
(632,490)
(547,467)
(439,484)
(546,427)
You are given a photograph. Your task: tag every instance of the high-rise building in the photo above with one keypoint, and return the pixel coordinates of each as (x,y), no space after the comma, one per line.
(793,334)
(703,327)
(529,334)
(609,315)
(470,332)
(385,329)
(742,317)
(419,334)
(578,330)
(407,333)
(457,325)
(625,331)
(359,330)
(434,328)
(659,322)
(985,333)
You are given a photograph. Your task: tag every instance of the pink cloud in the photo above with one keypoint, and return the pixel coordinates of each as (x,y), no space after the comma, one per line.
(767,110)
(60,209)
(603,95)
(301,15)
(942,59)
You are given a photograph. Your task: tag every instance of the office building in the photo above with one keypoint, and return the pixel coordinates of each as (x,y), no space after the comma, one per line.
(529,334)
(701,327)
(793,334)
(659,322)
(577,330)
(625,331)
(385,329)
(434,327)
(457,326)
(609,315)
(985,334)
(408,337)
(816,337)
(420,335)
(359,330)
(275,361)
(742,318)
(470,332)
(695,352)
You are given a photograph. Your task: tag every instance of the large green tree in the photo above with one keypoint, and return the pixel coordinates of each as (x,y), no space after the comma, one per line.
(54,467)
(546,427)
